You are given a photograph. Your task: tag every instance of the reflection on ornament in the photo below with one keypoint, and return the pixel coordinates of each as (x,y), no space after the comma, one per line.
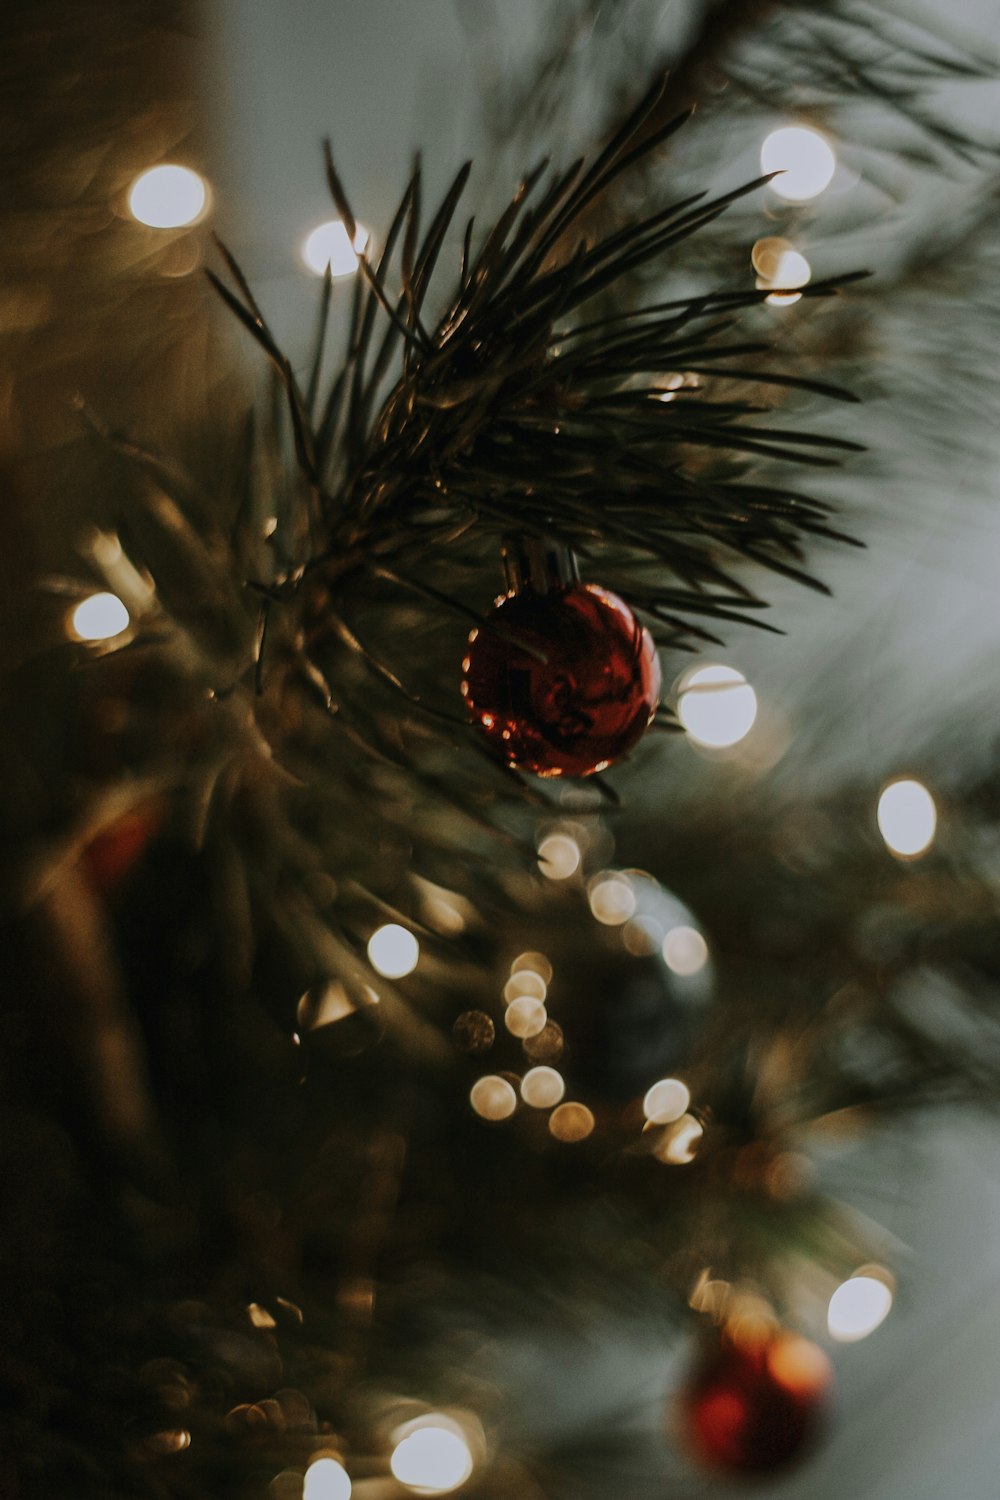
(717,706)
(860,1305)
(804,158)
(167,197)
(907,818)
(754,1404)
(431,1456)
(330,245)
(568,680)
(99,618)
(393,951)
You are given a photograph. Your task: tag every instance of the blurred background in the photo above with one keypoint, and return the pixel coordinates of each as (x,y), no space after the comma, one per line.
(144,1223)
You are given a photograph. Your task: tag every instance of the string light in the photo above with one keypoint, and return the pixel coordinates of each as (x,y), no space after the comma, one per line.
(571,1122)
(717,706)
(804,158)
(666,1101)
(525,1017)
(558,856)
(907,817)
(330,245)
(99,618)
(431,1456)
(860,1305)
(492,1097)
(612,899)
(326,1479)
(167,197)
(685,951)
(542,1087)
(393,951)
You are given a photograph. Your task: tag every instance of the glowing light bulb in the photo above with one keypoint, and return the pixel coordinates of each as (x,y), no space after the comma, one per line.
(612,899)
(492,1097)
(393,951)
(326,1479)
(859,1306)
(542,1087)
(167,197)
(571,1123)
(558,856)
(805,159)
(99,618)
(330,245)
(717,706)
(685,951)
(431,1458)
(907,817)
(666,1101)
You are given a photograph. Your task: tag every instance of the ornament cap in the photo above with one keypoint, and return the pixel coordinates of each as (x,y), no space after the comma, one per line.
(537,564)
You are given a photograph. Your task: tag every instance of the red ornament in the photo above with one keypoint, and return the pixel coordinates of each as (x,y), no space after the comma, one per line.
(753,1406)
(561,678)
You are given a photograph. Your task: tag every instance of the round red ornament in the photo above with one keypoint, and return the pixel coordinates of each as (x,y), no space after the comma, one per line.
(753,1406)
(561,677)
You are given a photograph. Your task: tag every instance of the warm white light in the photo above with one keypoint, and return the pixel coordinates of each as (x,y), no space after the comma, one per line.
(778,264)
(326,1479)
(329,245)
(666,1101)
(685,950)
(525,1016)
(558,856)
(393,951)
(432,1459)
(643,936)
(492,1097)
(542,1087)
(612,899)
(524,982)
(803,157)
(907,817)
(717,706)
(857,1308)
(571,1122)
(681,1142)
(167,197)
(99,618)
(536,962)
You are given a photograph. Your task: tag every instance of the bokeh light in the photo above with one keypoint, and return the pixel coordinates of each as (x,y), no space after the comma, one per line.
(571,1122)
(717,706)
(393,951)
(612,899)
(546,1046)
(805,159)
(666,1101)
(99,618)
(907,817)
(859,1306)
(326,1479)
(542,1087)
(493,1098)
(536,963)
(431,1456)
(525,1016)
(643,936)
(681,1142)
(474,1031)
(167,197)
(685,951)
(779,264)
(558,856)
(330,245)
(524,982)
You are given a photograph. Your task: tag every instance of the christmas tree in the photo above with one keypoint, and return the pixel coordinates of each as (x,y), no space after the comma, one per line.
(453,1014)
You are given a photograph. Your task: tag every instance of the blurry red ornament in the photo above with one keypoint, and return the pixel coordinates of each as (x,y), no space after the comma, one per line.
(111,854)
(561,678)
(753,1406)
